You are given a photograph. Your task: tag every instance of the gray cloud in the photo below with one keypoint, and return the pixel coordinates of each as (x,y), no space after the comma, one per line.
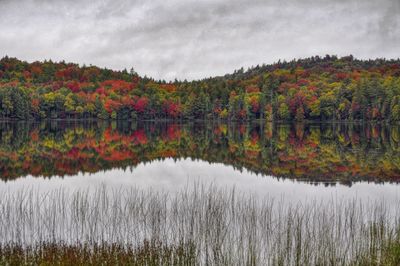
(195,39)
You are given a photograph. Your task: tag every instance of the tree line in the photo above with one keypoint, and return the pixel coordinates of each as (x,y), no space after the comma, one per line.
(316,88)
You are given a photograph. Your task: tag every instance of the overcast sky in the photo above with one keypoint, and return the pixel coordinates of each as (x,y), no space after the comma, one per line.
(196,39)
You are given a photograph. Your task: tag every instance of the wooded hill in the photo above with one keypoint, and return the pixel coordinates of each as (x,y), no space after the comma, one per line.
(316,88)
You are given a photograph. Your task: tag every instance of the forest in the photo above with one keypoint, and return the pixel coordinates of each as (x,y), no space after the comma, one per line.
(317,88)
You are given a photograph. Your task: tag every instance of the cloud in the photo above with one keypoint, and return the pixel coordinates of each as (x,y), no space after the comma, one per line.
(196,39)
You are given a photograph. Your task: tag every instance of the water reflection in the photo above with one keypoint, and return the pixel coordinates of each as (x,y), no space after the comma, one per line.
(321,187)
(173,176)
(327,153)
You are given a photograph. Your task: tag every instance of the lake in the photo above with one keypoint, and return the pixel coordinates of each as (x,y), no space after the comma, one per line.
(166,154)
(80,182)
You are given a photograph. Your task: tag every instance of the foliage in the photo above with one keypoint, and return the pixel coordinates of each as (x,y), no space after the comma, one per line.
(328,88)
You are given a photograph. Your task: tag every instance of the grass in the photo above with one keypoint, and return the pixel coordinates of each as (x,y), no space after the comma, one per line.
(199,225)
(150,253)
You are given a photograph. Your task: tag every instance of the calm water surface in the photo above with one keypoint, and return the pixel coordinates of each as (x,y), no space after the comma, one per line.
(295,161)
(324,187)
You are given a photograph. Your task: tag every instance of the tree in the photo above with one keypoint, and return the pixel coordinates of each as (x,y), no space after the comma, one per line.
(199,107)
(315,110)
(7,106)
(283,111)
(395,108)
(70,103)
(79,110)
(141,104)
(327,106)
(269,116)
(299,114)
(21,103)
(99,109)
(396,113)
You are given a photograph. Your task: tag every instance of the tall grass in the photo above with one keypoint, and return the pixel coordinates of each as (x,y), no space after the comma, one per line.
(199,225)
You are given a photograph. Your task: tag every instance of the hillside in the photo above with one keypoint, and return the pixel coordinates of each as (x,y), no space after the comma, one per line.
(328,88)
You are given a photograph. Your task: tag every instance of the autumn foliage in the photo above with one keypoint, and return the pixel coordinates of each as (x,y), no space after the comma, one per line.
(316,88)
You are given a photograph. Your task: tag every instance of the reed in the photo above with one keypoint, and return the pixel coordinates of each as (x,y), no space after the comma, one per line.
(198,225)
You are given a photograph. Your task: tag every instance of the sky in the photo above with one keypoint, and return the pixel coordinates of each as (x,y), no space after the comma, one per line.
(196,39)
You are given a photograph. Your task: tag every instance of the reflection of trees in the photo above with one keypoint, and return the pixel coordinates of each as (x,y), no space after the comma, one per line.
(312,152)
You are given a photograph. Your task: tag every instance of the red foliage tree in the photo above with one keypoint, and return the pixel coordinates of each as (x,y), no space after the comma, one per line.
(141,104)
(172,109)
(74,86)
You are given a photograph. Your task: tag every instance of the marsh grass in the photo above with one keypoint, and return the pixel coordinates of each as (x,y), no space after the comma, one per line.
(149,253)
(198,225)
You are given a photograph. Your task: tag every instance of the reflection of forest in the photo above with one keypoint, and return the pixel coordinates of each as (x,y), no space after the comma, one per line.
(311,152)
